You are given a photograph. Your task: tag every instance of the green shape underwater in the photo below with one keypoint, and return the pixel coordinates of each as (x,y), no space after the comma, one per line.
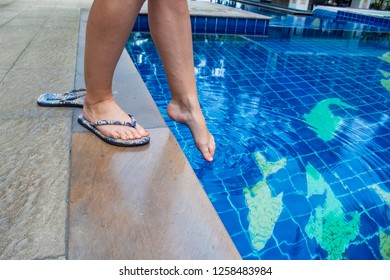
(384,240)
(385,57)
(264,209)
(322,121)
(332,228)
(384,195)
(384,73)
(386,84)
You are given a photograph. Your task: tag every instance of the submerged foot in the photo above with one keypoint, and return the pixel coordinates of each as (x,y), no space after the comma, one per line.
(109,110)
(193,118)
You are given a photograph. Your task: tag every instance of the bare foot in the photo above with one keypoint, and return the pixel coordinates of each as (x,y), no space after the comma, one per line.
(194,119)
(109,110)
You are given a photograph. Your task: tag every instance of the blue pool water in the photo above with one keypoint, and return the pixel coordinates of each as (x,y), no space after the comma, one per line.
(302,125)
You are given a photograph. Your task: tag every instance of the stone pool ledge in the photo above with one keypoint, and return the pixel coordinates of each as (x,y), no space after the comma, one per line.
(138,203)
(64,194)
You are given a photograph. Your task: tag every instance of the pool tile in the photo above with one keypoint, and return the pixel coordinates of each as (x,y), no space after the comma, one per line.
(200,24)
(296,204)
(241,26)
(359,252)
(368,227)
(274,254)
(231,26)
(287,231)
(282,91)
(250,27)
(211,25)
(221,25)
(143,23)
(300,251)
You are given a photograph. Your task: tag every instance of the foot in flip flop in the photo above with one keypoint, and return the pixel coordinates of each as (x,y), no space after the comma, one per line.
(92,126)
(72,98)
(108,121)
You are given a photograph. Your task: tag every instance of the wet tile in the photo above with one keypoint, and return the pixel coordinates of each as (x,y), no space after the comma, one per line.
(33,187)
(140,203)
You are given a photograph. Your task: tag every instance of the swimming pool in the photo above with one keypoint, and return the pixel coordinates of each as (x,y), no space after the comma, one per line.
(302,125)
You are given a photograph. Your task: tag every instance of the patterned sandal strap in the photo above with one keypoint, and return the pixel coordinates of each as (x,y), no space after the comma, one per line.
(74,94)
(76,90)
(132,123)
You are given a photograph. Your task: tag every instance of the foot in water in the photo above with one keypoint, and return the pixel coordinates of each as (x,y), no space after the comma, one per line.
(194,119)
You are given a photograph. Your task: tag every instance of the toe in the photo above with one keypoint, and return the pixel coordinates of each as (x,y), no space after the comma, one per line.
(142,132)
(207,153)
(113,134)
(208,156)
(136,134)
(124,135)
(129,135)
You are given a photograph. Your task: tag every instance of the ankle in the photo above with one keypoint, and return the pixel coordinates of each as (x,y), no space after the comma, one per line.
(97,101)
(188,104)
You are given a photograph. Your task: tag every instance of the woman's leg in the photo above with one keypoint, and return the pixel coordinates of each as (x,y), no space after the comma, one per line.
(108,28)
(170,26)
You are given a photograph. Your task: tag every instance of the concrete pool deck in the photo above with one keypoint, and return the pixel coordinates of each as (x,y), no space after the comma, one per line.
(65,194)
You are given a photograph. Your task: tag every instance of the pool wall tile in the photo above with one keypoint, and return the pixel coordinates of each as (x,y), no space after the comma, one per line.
(241,24)
(353,17)
(212,24)
(200,24)
(192,24)
(250,27)
(144,24)
(221,25)
(231,26)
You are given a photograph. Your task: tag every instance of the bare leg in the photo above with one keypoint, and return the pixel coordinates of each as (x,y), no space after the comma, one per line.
(170,27)
(109,26)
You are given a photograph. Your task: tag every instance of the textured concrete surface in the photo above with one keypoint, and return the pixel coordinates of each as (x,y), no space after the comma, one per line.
(3,72)
(52,47)
(38,50)
(33,187)
(21,87)
(14,40)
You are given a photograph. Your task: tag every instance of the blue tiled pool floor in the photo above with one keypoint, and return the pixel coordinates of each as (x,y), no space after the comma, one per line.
(302,167)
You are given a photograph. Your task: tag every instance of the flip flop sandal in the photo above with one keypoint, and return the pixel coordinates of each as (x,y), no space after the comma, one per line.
(113,141)
(72,98)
